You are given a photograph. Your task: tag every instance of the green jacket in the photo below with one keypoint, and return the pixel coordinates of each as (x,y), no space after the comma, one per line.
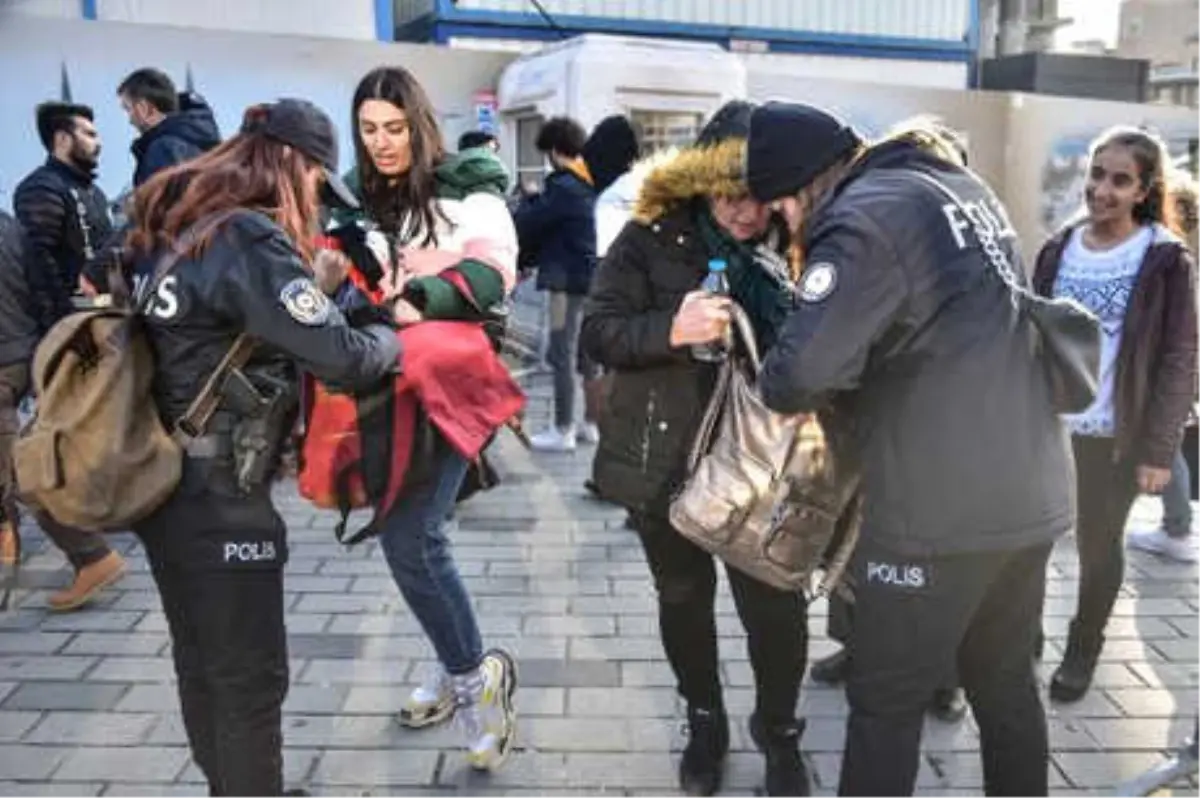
(467,290)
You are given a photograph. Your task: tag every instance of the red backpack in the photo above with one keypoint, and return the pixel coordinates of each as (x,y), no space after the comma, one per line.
(362,450)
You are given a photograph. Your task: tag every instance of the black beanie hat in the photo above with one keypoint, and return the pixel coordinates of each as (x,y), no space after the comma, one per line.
(610,151)
(790,145)
(732,120)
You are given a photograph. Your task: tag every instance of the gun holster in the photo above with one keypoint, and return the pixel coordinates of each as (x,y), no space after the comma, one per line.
(263,408)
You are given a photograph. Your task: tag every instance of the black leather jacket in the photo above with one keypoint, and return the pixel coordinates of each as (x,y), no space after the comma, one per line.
(903,323)
(65,216)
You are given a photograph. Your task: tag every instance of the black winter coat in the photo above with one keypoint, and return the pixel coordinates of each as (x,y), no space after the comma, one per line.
(180,137)
(904,323)
(65,216)
(658,393)
(558,226)
(18,326)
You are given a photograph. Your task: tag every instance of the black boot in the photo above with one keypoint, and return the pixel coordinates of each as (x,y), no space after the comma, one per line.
(949,704)
(831,669)
(780,744)
(703,762)
(1074,676)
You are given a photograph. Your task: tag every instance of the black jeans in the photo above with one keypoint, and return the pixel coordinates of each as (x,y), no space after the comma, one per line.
(217,559)
(776,624)
(1106,491)
(81,548)
(916,622)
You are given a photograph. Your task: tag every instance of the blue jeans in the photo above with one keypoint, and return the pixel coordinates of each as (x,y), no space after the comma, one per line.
(1176,499)
(413,537)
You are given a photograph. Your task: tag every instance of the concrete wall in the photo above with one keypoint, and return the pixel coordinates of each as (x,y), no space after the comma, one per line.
(232,70)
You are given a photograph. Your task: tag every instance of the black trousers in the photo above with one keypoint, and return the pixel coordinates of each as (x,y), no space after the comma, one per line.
(1106,491)
(217,559)
(916,622)
(776,624)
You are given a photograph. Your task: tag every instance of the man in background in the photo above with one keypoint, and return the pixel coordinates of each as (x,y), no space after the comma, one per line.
(65,216)
(175,127)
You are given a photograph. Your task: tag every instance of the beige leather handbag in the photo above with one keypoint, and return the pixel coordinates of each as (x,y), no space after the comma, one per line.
(764,492)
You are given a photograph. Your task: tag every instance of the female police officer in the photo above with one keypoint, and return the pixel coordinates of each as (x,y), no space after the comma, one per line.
(243,216)
(903,322)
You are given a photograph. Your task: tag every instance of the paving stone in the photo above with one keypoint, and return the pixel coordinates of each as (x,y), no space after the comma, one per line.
(65,696)
(1152,703)
(149,698)
(626,702)
(407,768)
(611,649)
(44,668)
(570,625)
(14,725)
(92,728)
(336,671)
(1168,675)
(561,673)
(1146,734)
(307,699)
(123,764)
(133,669)
(545,772)
(129,644)
(30,762)
(92,620)
(126,790)
(575,734)
(28,788)
(32,642)
(298,766)
(1102,770)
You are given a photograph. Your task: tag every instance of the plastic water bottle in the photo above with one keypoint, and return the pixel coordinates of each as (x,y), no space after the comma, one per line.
(715,284)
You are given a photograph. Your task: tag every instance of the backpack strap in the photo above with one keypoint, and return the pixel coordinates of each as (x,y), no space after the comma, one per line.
(194,421)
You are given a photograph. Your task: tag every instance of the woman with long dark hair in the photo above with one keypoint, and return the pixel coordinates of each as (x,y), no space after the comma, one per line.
(445,247)
(241,218)
(1124,263)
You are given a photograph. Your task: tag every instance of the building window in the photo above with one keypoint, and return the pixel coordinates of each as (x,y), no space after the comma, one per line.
(531,164)
(663,130)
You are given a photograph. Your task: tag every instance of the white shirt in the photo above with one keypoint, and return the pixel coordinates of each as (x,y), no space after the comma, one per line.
(1102,281)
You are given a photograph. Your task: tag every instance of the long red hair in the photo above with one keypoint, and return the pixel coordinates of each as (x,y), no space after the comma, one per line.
(248,171)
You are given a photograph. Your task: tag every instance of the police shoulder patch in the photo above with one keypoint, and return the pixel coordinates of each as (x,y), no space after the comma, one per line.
(818,281)
(305,303)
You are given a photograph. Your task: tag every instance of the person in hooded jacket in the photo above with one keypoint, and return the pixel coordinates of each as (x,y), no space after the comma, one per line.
(905,325)
(174,127)
(643,316)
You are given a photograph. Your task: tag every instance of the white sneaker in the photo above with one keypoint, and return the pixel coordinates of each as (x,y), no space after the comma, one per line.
(554,440)
(1157,541)
(432,702)
(589,433)
(486,716)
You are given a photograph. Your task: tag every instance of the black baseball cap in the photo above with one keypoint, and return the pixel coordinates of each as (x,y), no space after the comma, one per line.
(304,126)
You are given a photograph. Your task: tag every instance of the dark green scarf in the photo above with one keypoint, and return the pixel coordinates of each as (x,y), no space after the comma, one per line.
(757,277)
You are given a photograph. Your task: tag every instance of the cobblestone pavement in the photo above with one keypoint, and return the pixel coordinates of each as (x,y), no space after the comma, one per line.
(87,704)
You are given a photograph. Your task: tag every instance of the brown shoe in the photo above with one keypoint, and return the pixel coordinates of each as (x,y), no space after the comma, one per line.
(89,581)
(10,560)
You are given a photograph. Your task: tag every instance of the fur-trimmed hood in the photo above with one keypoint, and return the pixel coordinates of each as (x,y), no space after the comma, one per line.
(676,176)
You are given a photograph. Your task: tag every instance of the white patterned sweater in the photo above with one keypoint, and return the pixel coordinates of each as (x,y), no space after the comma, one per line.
(1103,282)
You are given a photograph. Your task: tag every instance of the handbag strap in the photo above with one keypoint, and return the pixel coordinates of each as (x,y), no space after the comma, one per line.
(989,241)
(744,331)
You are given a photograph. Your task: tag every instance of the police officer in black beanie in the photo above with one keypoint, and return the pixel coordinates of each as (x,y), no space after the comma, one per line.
(904,324)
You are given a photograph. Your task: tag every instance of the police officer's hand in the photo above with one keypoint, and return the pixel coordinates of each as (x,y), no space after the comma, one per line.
(86,288)
(701,319)
(1153,480)
(330,268)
